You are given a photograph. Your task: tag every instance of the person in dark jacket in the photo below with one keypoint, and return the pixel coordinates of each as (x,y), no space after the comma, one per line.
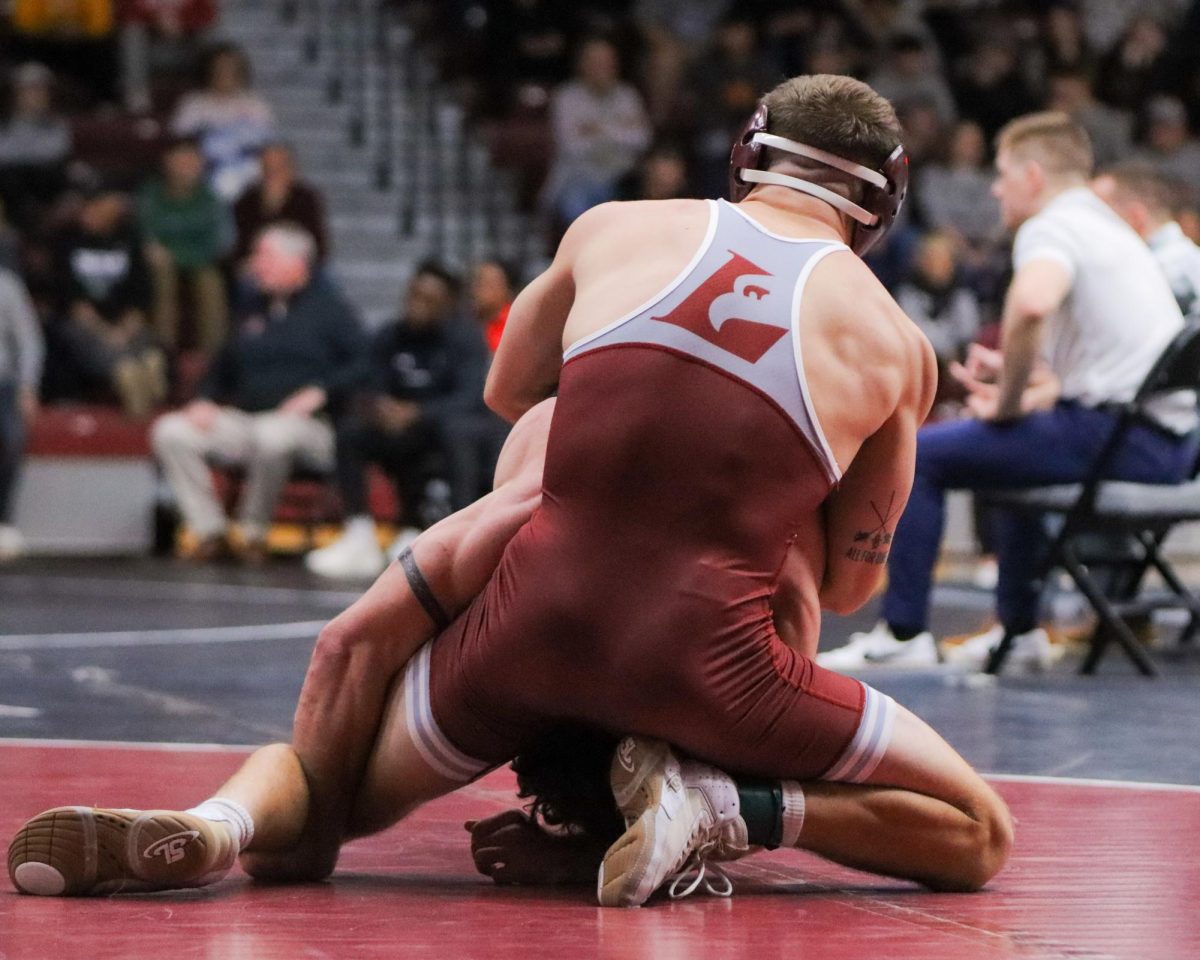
(295,353)
(279,195)
(103,294)
(427,371)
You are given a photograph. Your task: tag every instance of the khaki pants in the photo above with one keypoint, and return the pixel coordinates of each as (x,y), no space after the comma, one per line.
(210,304)
(267,445)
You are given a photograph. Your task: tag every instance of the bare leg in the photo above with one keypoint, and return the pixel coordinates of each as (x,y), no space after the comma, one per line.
(360,652)
(925,815)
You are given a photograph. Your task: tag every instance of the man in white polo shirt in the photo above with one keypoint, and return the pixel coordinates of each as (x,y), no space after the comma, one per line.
(1089,309)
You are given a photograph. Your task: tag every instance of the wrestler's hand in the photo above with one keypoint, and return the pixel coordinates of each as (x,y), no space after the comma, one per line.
(511,848)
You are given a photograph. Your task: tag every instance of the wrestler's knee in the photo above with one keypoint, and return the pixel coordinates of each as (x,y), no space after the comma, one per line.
(984,851)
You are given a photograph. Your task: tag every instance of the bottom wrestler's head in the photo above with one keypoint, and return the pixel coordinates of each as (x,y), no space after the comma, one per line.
(565,774)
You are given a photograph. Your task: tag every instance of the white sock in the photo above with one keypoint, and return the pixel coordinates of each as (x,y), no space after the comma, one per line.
(231,813)
(793,813)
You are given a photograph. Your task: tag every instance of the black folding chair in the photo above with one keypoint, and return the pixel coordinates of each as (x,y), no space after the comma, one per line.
(1110,532)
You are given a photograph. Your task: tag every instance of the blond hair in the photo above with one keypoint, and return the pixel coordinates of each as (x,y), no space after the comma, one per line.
(1050,138)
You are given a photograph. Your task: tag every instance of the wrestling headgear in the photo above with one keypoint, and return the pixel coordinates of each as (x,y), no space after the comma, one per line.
(881,199)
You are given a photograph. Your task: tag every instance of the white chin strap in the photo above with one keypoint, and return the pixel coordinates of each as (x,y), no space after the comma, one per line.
(847,207)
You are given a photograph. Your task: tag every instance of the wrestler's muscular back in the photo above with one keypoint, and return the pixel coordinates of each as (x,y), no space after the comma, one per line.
(869,369)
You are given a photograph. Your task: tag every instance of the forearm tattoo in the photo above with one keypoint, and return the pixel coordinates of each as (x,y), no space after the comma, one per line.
(872,546)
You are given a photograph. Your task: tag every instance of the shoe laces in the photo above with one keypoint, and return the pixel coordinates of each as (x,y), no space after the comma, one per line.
(696,871)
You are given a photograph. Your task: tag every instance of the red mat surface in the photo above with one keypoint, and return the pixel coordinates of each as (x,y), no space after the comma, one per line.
(1099,872)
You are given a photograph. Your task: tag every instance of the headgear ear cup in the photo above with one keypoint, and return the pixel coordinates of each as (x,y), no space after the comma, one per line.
(880,203)
(746,154)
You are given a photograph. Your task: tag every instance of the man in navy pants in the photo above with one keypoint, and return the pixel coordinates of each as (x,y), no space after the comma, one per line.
(1087,314)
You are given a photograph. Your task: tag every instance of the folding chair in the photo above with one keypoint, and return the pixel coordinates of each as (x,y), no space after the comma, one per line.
(1117,528)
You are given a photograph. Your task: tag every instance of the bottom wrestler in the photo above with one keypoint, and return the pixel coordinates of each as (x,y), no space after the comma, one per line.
(685,467)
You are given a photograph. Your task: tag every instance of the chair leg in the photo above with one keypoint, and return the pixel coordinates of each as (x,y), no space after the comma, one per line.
(1000,653)
(1112,627)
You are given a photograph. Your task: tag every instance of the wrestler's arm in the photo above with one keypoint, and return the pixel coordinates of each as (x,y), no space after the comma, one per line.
(529,359)
(358,654)
(862,513)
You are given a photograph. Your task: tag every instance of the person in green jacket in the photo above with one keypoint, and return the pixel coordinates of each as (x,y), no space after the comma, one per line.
(187,231)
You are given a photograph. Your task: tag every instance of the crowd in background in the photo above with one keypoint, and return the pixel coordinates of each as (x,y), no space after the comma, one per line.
(132,276)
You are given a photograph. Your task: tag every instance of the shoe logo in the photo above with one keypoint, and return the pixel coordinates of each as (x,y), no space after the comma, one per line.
(625,754)
(171,848)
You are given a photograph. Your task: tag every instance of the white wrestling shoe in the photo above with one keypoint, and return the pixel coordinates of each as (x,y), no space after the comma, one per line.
(679,817)
(355,555)
(878,647)
(1031,651)
(77,851)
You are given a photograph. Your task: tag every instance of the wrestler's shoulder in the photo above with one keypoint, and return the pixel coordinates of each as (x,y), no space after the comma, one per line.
(620,215)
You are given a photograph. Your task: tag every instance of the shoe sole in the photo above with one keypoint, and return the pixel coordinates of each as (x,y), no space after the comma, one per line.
(84,851)
(637,775)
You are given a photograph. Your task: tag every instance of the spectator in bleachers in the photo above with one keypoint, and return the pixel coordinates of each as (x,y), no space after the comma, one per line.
(600,129)
(936,300)
(955,194)
(672,30)
(1065,46)
(1070,91)
(910,72)
(21,355)
(1144,199)
(279,195)
(158,39)
(527,44)
(76,38)
(35,143)
(990,87)
(662,174)
(493,286)
(1169,146)
(263,405)
(103,299)
(187,231)
(231,121)
(723,90)
(1137,66)
(426,367)
(473,436)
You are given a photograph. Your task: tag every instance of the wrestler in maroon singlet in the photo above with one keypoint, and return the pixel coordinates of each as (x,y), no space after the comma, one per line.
(638,598)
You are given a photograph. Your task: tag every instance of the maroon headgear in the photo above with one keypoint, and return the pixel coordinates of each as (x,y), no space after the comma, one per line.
(881,199)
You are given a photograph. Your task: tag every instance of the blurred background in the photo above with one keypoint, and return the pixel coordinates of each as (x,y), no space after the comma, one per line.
(146,144)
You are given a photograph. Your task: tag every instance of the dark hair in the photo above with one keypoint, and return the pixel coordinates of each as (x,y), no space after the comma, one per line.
(512,276)
(433,268)
(565,775)
(224,49)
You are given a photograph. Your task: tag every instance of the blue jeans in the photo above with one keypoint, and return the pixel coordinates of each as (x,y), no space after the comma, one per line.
(1056,446)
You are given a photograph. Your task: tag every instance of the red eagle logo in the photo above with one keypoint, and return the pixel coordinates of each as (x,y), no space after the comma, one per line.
(736,309)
